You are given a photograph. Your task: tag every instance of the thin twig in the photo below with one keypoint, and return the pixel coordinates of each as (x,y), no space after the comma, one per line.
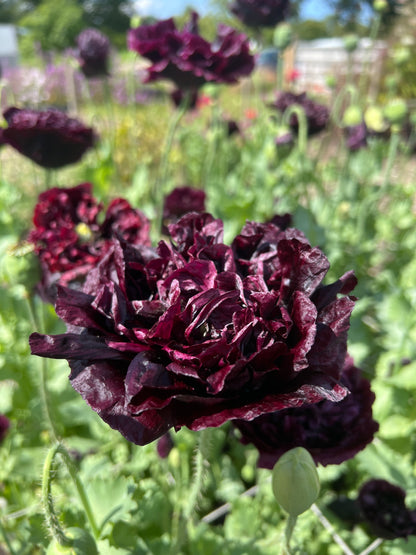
(326,524)
(372,546)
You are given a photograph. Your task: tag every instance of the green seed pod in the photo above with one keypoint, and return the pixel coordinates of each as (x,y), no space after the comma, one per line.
(374,119)
(352,116)
(396,111)
(380,6)
(350,43)
(331,81)
(295,481)
(82,544)
(401,56)
(283,36)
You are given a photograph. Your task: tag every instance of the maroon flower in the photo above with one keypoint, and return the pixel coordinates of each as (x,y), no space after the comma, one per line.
(261,13)
(164,445)
(68,238)
(200,333)
(186,58)
(180,97)
(331,432)
(356,136)
(50,138)
(383,507)
(4,426)
(93,53)
(181,201)
(317,115)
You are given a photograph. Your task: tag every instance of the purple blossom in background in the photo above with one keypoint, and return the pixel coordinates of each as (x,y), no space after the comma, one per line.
(197,333)
(50,138)
(93,53)
(331,432)
(4,426)
(68,238)
(383,507)
(187,59)
(181,201)
(317,115)
(356,136)
(261,13)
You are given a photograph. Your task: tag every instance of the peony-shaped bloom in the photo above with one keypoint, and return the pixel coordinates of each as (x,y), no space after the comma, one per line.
(200,333)
(331,432)
(383,507)
(4,426)
(181,201)
(317,115)
(186,58)
(261,13)
(93,53)
(50,138)
(68,238)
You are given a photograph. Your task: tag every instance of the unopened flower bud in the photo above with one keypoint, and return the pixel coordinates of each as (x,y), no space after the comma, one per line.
(396,111)
(350,43)
(283,36)
(331,81)
(352,116)
(295,481)
(82,544)
(380,5)
(374,119)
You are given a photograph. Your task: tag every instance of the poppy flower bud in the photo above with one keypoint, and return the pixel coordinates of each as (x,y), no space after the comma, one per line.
(401,56)
(295,481)
(350,42)
(380,6)
(374,119)
(352,116)
(82,544)
(396,110)
(283,36)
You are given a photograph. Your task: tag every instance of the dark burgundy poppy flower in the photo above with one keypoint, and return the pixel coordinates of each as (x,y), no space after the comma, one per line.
(181,201)
(200,332)
(261,13)
(356,136)
(50,138)
(189,99)
(93,53)
(317,115)
(383,507)
(68,238)
(331,432)
(164,445)
(4,426)
(187,59)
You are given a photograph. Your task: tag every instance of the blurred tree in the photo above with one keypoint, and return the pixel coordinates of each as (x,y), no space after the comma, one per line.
(111,17)
(8,11)
(52,26)
(353,10)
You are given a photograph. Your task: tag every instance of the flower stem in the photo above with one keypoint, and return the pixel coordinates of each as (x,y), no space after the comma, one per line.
(6,539)
(290,526)
(393,147)
(163,171)
(201,464)
(51,518)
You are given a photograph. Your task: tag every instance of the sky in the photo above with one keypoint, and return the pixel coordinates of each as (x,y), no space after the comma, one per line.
(312,9)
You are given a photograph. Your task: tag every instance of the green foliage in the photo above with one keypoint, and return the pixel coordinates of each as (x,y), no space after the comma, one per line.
(52,25)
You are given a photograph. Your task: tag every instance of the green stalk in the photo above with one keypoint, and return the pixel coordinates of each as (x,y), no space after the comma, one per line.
(375,27)
(6,538)
(393,148)
(43,368)
(290,526)
(299,112)
(51,517)
(159,189)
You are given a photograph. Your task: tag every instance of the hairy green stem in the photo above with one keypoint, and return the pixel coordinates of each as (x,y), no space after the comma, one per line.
(52,520)
(290,526)
(391,155)
(51,517)
(375,27)
(299,112)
